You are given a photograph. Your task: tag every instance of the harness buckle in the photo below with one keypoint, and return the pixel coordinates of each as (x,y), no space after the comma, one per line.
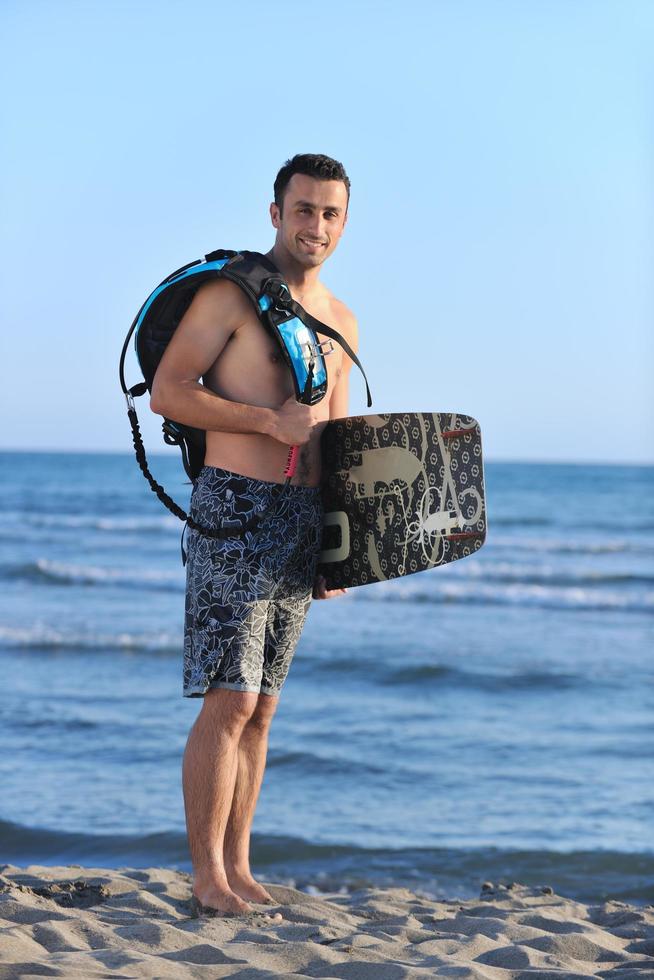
(277,291)
(130,401)
(315,350)
(171,434)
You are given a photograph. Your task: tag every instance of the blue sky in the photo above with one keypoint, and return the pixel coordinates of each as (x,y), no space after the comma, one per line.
(499,251)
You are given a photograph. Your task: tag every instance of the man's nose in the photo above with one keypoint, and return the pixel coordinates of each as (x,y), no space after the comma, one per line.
(317,225)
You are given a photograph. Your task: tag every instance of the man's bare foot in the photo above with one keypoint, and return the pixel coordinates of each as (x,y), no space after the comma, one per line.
(247,887)
(213,901)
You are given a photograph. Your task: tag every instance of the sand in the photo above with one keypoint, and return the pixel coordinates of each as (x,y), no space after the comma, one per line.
(83,923)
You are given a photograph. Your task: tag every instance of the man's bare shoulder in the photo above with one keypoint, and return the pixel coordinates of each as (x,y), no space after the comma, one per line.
(344,320)
(224,299)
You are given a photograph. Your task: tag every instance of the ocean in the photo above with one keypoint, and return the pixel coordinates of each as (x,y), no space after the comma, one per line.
(489,720)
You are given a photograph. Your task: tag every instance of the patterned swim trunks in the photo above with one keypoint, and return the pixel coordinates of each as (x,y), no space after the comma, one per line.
(247,597)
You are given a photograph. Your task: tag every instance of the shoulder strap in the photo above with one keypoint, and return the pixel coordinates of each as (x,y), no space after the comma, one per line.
(245,269)
(320,327)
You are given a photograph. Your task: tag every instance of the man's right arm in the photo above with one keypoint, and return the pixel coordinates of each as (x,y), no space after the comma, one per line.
(216,312)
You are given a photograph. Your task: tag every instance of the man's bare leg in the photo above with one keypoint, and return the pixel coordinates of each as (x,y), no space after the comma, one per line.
(209,776)
(252,751)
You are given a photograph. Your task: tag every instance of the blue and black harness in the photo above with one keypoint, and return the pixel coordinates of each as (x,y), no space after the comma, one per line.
(295,330)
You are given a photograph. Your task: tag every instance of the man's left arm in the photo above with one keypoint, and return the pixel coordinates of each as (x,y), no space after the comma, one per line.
(340,393)
(338,410)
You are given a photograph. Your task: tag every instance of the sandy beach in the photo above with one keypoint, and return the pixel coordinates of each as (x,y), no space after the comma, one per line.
(84,923)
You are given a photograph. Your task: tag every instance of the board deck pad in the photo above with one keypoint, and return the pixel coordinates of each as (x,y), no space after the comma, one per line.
(402,493)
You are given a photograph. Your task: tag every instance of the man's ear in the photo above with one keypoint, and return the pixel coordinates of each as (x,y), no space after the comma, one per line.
(275,215)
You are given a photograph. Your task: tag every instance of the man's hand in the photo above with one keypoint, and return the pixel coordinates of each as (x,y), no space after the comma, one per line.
(294,422)
(320,590)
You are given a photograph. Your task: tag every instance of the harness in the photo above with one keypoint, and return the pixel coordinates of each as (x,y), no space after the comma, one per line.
(294,329)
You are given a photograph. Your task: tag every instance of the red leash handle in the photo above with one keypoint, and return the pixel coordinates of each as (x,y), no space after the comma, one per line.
(291,462)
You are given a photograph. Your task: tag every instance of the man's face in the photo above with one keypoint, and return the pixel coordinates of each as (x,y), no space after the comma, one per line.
(312,218)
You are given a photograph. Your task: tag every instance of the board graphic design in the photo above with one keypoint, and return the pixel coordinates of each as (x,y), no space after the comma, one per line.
(402,493)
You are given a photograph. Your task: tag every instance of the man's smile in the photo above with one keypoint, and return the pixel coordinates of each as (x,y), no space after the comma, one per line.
(311,242)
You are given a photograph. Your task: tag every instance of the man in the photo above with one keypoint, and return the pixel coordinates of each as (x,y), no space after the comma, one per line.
(247,597)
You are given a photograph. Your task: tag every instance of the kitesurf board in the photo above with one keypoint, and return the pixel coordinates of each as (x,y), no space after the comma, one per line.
(402,493)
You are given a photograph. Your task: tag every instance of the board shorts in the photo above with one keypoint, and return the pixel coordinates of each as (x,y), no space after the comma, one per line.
(247,597)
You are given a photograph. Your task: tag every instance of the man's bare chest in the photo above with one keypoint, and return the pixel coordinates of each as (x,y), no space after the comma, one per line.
(252,367)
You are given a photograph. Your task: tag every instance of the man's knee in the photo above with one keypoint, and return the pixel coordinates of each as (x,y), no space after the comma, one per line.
(264,710)
(227,709)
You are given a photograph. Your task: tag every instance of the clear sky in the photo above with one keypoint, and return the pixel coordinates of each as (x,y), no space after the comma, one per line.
(500,245)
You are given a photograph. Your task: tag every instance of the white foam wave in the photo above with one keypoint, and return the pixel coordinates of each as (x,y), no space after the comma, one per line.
(544,596)
(64,572)
(41,636)
(593,546)
(559,574)
(163,522)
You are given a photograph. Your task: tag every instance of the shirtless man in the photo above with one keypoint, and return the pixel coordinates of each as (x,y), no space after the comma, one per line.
(247,597)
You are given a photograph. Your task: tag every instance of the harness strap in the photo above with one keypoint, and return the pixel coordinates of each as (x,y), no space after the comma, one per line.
(319,327)
(284,300)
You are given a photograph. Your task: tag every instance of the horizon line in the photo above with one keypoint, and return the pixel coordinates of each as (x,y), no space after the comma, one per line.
(490,459)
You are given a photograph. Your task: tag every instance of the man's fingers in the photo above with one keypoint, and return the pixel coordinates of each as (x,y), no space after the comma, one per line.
(320,590)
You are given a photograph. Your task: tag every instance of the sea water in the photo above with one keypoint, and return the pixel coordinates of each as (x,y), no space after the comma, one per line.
(492,719)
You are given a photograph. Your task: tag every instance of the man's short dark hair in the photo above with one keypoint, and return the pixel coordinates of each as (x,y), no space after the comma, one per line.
(312,165)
